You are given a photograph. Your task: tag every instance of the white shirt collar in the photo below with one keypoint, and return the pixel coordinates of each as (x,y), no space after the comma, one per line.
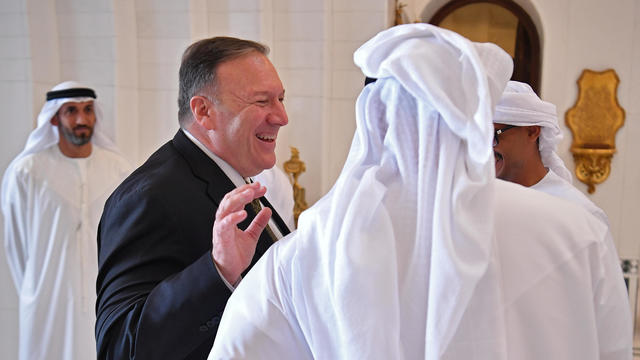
(228,170)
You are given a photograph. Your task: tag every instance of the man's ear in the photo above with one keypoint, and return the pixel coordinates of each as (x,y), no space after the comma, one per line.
(533,132)
(54,120)
(203,112)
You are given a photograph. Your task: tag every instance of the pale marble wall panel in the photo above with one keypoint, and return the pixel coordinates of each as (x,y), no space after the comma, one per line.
(629,236)
(358,26)
(11,6)
(158,76)
(302,82)
(126,129)
(13,70)
(17,121)
(230,6)
(86,49)
(84,6)
(160,50)
(125,91)
(341,132)
(12,25)
(89,72)
(161,28)
(160,5)
(245,25)
(359,5)
(85,24)
(305,54)
(14,47)
(347,84)
(299,26)
(44,46)
(159,119)
(163,24)
(106,95)
(298,5)
(342,58)
(9,330)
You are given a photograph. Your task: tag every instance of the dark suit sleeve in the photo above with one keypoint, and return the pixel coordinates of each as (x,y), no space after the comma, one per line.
(158,297)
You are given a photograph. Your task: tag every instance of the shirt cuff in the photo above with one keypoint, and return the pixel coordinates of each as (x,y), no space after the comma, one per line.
(231,287)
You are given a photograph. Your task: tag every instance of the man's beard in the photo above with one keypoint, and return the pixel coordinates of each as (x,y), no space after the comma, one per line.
(77,140)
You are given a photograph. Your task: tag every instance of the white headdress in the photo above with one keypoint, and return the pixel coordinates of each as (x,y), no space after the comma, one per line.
(520,106)
(406,232)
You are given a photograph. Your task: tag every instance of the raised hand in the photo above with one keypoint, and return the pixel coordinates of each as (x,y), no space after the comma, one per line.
(233,248)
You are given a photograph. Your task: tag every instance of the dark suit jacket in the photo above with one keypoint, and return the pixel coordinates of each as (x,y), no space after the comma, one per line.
(159,294)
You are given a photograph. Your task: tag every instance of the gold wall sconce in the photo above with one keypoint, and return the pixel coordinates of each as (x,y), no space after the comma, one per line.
(594,121)
(294,167)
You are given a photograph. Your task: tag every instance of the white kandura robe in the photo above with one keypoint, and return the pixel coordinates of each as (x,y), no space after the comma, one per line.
(553,184)
(51,222)
(561,285)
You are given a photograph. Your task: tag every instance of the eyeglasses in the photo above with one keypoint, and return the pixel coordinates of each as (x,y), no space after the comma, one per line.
(500,131)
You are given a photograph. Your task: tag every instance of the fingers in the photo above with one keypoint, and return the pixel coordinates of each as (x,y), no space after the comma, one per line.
(259,223)
(225,227)
(236,199)
(259,191)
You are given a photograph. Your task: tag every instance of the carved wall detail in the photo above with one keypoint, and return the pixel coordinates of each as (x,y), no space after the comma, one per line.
(294,167)
(594,121)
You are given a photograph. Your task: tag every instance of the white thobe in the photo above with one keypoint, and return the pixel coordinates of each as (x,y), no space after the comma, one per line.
(50,238)
(553,184)
(561,287)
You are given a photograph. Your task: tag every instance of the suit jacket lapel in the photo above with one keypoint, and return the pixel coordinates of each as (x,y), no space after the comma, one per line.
(204,168)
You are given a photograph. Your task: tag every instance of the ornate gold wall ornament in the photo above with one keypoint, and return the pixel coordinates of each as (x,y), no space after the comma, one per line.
(594,121)
(294,167)
(400,16)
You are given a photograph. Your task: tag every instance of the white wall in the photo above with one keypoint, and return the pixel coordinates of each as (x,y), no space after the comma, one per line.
(130,52)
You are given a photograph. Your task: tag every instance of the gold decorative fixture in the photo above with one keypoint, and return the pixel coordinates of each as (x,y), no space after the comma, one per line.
(594,121)
(400,17)
(294,167)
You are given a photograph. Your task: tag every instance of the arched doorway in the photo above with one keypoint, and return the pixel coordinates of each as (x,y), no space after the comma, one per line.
(499,21)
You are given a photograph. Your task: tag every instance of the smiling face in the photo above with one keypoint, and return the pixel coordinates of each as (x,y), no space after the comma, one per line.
(249,111)
(75,121)
(509,153)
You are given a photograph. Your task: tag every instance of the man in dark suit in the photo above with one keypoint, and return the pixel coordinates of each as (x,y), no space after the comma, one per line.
(164,277)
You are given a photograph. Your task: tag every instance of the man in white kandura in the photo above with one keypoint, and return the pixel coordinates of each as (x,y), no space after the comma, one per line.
(418,252)
(525,142)
(53,193)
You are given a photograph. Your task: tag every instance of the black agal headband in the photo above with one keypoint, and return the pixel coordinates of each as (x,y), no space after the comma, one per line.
(71,93)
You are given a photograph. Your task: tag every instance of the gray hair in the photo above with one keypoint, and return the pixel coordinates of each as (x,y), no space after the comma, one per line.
(199,64)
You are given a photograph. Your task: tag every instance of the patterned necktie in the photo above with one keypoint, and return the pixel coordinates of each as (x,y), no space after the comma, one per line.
(256,206)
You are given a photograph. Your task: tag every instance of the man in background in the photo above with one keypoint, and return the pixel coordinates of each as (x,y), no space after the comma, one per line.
(525,142)
(164,276)
(53,193)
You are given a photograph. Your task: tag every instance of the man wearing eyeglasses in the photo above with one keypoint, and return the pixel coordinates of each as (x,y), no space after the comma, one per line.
(524,143)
